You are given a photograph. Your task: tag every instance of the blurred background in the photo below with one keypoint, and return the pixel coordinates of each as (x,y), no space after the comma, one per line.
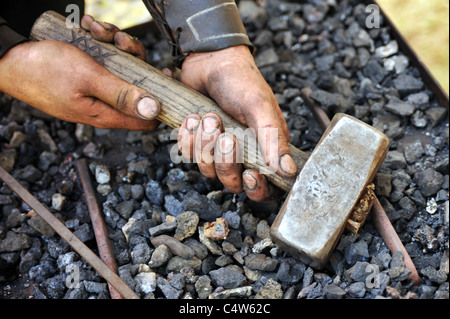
(424,23)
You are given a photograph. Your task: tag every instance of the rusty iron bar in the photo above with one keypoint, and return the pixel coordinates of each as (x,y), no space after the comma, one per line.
(379,218)
(87,254)
(98,224)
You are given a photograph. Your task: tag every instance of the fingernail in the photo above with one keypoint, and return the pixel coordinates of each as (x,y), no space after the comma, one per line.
(226,144)
(249,181)
(148,108)
(287,164)
(192,123)
(210,124)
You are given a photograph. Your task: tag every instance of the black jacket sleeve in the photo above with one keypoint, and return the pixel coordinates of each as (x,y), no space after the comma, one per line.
(8,37)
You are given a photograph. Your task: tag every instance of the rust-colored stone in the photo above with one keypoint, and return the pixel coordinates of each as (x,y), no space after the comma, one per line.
(217,230)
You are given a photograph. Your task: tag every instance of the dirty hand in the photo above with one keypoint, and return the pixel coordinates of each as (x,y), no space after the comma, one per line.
(63,81)
(232,79)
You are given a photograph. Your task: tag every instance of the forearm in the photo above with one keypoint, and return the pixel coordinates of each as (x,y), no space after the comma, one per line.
(198,26)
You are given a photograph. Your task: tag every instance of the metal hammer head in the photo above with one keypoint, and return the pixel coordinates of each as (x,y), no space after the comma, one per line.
(313,217)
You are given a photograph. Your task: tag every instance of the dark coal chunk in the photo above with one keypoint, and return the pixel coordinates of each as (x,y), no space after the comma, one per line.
(226,278)
(429,182)
(154,192)
(407,84)
(202,205)
(374,71)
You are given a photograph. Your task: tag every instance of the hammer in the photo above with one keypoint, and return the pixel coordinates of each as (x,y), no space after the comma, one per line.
(331,181)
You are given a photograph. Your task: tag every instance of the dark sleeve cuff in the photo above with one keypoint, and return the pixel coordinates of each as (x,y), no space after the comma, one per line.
(199,25)
(8,38)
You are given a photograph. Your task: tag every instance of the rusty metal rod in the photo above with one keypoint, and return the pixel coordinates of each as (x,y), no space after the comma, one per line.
(98,224)
(87,254)
(379,218)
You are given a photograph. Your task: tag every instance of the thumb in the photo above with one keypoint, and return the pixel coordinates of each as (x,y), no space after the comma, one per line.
(125,97)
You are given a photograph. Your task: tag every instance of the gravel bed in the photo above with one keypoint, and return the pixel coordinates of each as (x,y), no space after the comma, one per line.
(159,215)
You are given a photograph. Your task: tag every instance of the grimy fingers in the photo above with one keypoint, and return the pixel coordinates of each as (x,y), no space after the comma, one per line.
(258,188)
(228,164)
(210,128)
(186,136)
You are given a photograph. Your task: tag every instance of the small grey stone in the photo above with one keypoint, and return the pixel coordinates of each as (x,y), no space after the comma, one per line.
(163,228)
(201,251)
(160,256)
(84,233)
(226,278)
(15,218)
(14,242)
(141,253)
(66,259)
(271,290)
(187,223)
(125,209)
(263,229)
(46,141)
(102,174)
(154,192)
(436,115)
(413,151)
(311,291)
(140,167)
(250,223)
(250,12)
(29,173)
(333,292)
(359,271)
(356,252)
(437,276)
(400,108)
(175,246)
(177,181)
(177,280)
(212,246)
(167,289)
(395,160)
(233,219)
(429,182)
(206,208)
(407,84)
(137,191)
(40,225)
(260,262)
(374,71)
(266,57)
(383,184)
(95,287)
(177,263)
(46,158)
(357,290)
(203,287)
(145,282)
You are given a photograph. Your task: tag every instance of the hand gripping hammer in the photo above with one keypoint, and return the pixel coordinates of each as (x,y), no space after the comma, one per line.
(330,183)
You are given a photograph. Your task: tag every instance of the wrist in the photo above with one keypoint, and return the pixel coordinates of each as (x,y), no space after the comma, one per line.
(239,51)
(8,38)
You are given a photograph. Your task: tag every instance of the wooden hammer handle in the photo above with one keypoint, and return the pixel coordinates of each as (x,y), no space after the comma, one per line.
(177,100)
